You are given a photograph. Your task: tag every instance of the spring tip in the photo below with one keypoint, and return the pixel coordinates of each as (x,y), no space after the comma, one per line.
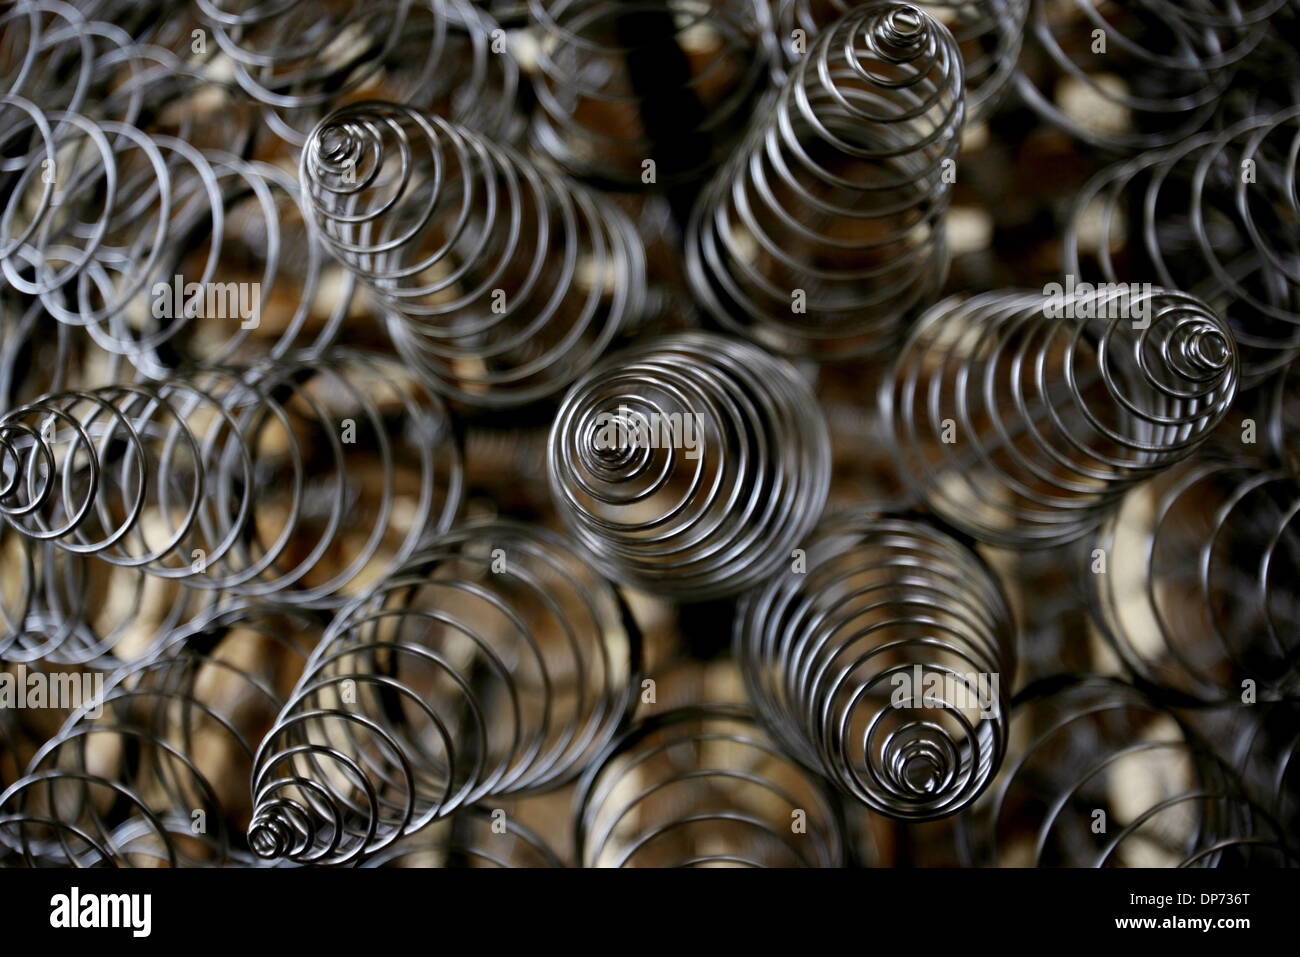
(901,28)
(269,838)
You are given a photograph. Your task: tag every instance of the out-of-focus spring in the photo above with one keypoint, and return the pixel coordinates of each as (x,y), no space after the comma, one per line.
(162,252)
(988,34)
(1194,581)
(495,662)
(669,81)
(704,787)
(153,771)
(884,659)
(1216,215)
(308,479)
(474,837)
(1135,74)
(1099,776)
(504,283)
(690,465)
(302,58)
(824,233)
(1023,417)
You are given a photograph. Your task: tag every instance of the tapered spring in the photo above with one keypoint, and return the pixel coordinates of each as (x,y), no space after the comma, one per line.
(154,772)
(1195,580)
(691,465)
(669,81)
(1099,776)
(495,662)
(704,787)
(1022,418)
(1131,75)
(824,233)
(307,479)
(988,34)
(163,252)
(503,283)
(474,837)
(303,58)
(1216,215)
(884,659)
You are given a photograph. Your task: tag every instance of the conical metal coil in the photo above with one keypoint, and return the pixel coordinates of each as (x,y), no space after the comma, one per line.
(691,465)
(504,283)
(1216,215)
(669,81)
(304,58)
(704,787)
(307,479)
(495,662)
(824,234)
(1022,418)
(884,657)
(1193,579)
(988,34)
(1099,776)
(154,772)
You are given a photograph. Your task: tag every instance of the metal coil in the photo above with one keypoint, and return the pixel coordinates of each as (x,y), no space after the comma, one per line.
(824,234)
(1261,740)
(1022,418)
(474,837)
(1131,75)
(669,81)
(884,658)
(302,58)
(1103,777)
(691,465)
(703,787)
(495,662)
(1196,587)
(988,34)
(307,479)
(153,773)
(503,283)
(1214,215)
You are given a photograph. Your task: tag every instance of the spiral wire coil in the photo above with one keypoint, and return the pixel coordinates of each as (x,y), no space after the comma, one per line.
(824,234)
(474,837)
(496,662)
(691,465)
(504,284)
(1022,418)
(703,787)
(885,664)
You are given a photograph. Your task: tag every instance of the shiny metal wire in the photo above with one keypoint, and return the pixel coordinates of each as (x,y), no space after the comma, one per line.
(305,479)
(1022,418)
(1197,582)
(495,662)
(988,34)
(1100,776)
(1215,215)
(703,787)
(503,283)
(884,657)
(671,81)
(474,837)
(691,465)
(824,234)
(154,772)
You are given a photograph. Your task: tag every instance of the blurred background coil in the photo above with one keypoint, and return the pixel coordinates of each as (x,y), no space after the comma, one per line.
(307,479)
(884,658)
(1196,587)
(503,283)
(703,787)
(474,837)
(1100,776)
(824,233)
(988,34)
(690,466)
(670,81)
(1022,418)
(495,662)
(1216,215)
(154,772)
